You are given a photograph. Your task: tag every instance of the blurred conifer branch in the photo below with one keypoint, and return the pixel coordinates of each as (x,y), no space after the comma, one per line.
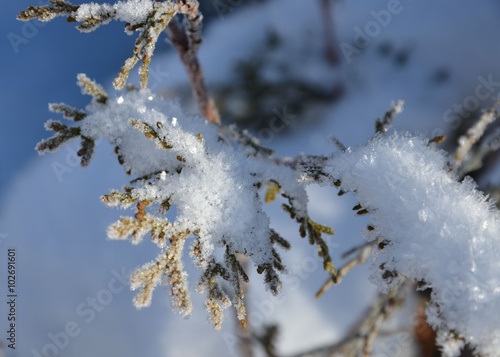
(469,156)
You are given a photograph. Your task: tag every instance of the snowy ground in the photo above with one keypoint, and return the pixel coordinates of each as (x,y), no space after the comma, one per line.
(73,299)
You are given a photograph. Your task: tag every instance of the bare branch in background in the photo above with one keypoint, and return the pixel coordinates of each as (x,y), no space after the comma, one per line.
(330,41)
(186,40)
(363,253)
(382,125)
(363,335)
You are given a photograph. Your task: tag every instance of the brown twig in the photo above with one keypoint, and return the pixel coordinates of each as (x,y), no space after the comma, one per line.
(186,40)
(330,42)
(364,252)
(363,335)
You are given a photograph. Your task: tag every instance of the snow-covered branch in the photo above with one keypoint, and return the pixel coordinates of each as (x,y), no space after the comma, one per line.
(437,231)
(426,226)
(185,163)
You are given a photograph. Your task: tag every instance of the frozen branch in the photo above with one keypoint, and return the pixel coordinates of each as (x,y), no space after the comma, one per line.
(149,18)
(446,231)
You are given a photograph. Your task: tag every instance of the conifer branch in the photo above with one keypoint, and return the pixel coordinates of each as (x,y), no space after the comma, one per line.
(279,240)
(149,26)
(63,134)
(147,278)
(89,87)
(216,300)
(137,227)
(467,156)
(47,13)
(102,16)
(68,112)
(152,205)
(314,231)
(237,278)
(150,133)
(168,266)
(213,178)
(123,199)
(270,277)
(86,150)
(145,44)
(176,275)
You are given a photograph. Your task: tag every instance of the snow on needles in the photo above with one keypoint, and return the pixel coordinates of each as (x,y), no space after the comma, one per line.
(214,193)
(130,11)
(437,231)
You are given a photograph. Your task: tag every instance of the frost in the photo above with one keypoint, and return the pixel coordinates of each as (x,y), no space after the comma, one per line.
(215,186)
(92,10)
(426,226)
(206,193)
(442,233)
(131,11)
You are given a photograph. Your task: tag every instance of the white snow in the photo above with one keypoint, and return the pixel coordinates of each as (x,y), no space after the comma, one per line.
(133,11)
(215,193)
(441,232)
(130,11)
